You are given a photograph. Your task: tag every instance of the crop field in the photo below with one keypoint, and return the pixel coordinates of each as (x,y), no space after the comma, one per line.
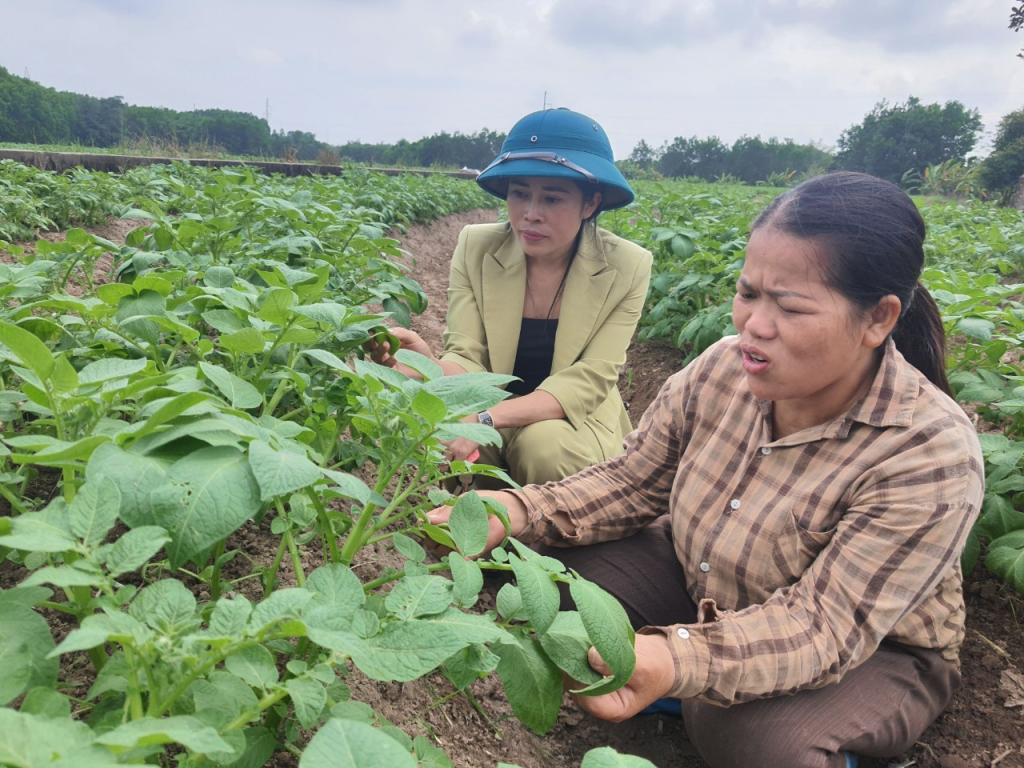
(206,377)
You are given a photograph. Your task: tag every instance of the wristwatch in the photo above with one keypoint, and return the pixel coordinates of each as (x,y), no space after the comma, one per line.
(484,417)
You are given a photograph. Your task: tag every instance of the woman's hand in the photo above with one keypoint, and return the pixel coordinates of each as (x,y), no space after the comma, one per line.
(384,355)
(496,533)
(652,679)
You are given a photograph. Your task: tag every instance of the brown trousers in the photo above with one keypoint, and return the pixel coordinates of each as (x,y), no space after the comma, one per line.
(878,709)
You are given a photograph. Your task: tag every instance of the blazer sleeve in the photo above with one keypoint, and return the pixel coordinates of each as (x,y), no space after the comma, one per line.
(464,339)
(584,386)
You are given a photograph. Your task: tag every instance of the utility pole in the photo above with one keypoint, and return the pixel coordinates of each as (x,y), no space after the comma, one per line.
(266,114)
(545,100)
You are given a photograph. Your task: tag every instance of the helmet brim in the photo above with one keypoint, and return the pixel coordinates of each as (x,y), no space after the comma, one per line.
(615,190)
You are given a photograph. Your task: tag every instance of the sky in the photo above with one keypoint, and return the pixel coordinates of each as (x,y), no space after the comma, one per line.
(383,70)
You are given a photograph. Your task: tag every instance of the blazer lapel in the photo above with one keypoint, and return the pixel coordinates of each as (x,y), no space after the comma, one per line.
(504,290)
(586,290)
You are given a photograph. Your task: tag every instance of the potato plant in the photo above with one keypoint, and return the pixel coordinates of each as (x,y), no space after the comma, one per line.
(217,383)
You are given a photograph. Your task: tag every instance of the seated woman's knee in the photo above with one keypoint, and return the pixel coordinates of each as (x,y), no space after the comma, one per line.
(545,451)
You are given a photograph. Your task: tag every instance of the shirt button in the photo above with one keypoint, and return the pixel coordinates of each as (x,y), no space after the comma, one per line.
(735,503)
(683,633)
(705,567)
(766,451)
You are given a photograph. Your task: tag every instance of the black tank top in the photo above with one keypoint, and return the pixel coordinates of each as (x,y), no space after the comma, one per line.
(534,354)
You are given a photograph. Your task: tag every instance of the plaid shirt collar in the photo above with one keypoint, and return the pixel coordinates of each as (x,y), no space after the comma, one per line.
(889,403)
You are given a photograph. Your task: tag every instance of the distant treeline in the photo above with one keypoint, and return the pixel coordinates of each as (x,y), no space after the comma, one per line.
(33,114)
(748,159)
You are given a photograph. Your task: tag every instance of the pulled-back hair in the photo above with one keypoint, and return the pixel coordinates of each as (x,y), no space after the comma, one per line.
(871,237)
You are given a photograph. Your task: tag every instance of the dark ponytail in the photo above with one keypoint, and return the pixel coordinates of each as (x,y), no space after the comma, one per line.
(872,238)
(921,337)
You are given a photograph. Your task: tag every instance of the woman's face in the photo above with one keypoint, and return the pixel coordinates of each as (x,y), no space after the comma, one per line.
(546,214)
(804,345)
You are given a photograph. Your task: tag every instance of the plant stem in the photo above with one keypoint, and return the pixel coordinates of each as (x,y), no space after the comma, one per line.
(218,551)
(268,586)
(326,526)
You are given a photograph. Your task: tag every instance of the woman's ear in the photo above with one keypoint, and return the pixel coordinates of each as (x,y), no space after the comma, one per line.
(881,320)
(591,206)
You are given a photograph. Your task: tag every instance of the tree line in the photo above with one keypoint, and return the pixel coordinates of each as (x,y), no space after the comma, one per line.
(894,141)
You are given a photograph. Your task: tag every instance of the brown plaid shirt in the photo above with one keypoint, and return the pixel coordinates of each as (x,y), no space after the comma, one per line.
(803,553)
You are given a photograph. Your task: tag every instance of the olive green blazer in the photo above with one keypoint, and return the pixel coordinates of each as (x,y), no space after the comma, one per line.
(602,300)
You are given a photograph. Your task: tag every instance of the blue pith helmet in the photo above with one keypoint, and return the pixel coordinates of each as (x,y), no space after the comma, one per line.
(558,143)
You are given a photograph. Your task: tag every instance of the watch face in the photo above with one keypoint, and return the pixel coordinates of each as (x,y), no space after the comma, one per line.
(485,418)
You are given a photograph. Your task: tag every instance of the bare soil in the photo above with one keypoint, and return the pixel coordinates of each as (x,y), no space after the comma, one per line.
(977,730)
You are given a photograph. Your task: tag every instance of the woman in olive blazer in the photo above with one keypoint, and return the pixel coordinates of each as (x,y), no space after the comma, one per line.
(604,293)
(548,297)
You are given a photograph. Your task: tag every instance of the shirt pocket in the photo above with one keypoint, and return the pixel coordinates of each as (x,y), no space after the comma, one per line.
(796,547)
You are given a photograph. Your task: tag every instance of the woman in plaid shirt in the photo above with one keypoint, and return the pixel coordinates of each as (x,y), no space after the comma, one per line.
(785,526)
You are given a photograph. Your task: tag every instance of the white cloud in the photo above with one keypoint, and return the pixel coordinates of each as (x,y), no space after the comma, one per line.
(651,69)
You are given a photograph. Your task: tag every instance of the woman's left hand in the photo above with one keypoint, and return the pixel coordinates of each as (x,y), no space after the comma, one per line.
(652,679)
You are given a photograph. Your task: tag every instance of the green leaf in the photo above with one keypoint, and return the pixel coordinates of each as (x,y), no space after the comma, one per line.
(166,606)
(27,349)
(109,368)
(330,314)
(331,361)
(416,596)
(35,741)
(64,377)
(532,682)
(422,364)
(351,744)
(430,407)
(247,341)
(406,650)
(145,304)
(469,580)
(275,305)
(207,496)
(337,586)
(238,392)
(94,510)
(469,524)
(606,757)
(308,698)
(149,731)
(469,665)
(79,574)
(280,472)
(351,487)
(409,547)
(44,531)
(471,627)
(46,702)
(135,477)
(1005,559)
(25,644)
(976,328)
(230,617)
(97,629)
(609,629)
(219,277)
(429,755)
(282,604)
(134,549)
(255,665)
(539,592)
(566,642)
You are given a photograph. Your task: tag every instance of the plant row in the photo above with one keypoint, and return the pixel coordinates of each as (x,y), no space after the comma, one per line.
(213,381)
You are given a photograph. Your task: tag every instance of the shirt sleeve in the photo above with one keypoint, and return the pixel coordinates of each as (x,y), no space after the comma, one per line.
(465,340)
(618,497)
(899,537)
(583,386)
